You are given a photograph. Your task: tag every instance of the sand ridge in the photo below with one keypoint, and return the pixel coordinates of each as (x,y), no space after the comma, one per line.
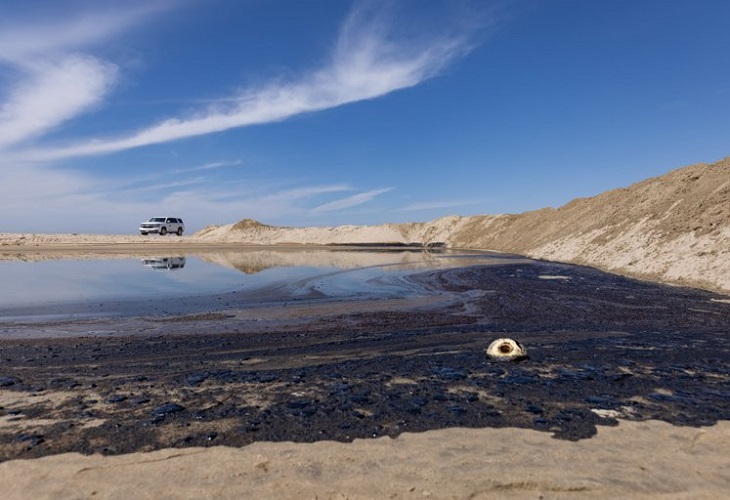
(674,228)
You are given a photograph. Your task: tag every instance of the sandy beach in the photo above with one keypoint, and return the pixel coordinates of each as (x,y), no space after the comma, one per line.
(624,393)
(364,249)
(632,460)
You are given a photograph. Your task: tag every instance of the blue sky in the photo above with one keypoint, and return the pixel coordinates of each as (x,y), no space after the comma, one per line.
(329,112)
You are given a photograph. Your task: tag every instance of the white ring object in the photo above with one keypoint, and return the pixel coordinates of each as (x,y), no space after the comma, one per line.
(506,350)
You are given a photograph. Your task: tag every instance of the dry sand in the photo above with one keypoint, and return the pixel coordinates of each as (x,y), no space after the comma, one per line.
(632,460)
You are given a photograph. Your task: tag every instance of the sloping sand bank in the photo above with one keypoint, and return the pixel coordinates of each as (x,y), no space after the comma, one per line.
(674,228)
(633,460)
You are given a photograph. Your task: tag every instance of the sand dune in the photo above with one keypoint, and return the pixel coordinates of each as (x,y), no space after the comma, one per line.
(674,228)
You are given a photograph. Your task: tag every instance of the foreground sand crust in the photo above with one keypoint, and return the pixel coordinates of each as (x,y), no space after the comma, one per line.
(634,459)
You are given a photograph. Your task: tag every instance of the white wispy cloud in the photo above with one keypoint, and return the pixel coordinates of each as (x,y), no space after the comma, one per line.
(51,93)
(213,165)
(41,197)
(54,79)
(51,73)
(439,204)
(368,62)
(351,201)
(156,179)
(306,192)
(23,41)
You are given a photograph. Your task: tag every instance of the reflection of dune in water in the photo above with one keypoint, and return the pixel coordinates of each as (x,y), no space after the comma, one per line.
(253,261)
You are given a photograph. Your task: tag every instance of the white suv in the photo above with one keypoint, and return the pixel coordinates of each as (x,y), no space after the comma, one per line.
(163,226)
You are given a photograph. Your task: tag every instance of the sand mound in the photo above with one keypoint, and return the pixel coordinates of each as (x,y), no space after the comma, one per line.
(673,228)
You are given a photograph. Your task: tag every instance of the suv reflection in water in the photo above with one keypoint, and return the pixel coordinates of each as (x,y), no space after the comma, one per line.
(164,263)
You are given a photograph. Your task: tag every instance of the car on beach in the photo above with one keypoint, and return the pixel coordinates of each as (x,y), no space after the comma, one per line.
(162,226)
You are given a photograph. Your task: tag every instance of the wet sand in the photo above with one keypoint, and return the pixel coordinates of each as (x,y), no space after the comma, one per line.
(611,359)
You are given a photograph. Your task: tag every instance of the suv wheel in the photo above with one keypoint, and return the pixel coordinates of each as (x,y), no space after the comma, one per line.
(163,231)
(179,231)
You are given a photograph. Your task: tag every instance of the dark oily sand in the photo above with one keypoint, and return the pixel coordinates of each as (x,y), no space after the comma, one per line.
(601,347)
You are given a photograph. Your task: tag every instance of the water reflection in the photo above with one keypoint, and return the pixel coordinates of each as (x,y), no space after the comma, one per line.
(252,262)
(33,284)
(164,263)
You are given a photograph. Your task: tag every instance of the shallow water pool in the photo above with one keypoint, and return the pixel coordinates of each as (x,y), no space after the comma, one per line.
(102,285)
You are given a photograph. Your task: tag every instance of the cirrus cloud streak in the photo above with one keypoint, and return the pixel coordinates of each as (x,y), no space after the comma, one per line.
(368,62)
